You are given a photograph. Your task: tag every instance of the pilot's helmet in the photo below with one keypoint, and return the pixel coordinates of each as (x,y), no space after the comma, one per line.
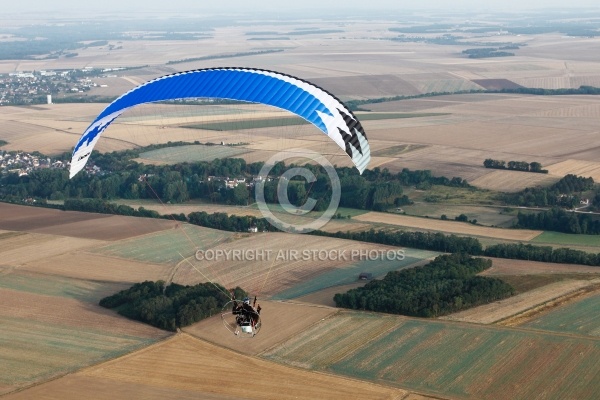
(246,300)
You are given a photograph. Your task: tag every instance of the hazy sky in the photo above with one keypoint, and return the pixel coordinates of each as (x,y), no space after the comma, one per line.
(77,6)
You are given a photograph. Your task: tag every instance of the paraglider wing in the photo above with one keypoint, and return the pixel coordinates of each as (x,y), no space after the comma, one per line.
(252,85)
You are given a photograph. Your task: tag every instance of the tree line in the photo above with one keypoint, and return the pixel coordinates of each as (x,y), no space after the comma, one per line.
(559,220)
(520,251)
(445,285)
(487,52)
(515,165)
(170,307)
(122,178)
(453,244)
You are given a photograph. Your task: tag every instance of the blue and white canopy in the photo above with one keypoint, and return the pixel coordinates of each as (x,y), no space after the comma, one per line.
(252,85)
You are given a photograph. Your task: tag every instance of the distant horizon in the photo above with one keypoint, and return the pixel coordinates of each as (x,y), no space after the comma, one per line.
(233,7)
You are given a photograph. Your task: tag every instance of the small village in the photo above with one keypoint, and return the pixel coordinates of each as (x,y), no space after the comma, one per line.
(38,87)
(22,163)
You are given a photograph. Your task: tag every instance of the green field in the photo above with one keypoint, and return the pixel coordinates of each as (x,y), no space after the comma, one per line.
(191,153)
(166,247)
(490,216)
(581,317)
(352,212)
(236,125)
(454,195)
(374,116)
(395,151)
(462,361)
(349,274)
(567,239)
(32,351)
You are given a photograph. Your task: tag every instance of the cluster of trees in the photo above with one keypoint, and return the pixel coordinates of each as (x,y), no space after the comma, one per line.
(559,220)
(3,143)
(169,307)
(445,285)
(234,223)
(487,52)
(515,165)
(562,193)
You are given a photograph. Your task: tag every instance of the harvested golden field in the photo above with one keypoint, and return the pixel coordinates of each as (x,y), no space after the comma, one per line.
(461,228)
(503,309)
(280,321)
(30,247)
(479,126)
(188,368)
(51,129)
(512,181)
(577,167)
(93,266)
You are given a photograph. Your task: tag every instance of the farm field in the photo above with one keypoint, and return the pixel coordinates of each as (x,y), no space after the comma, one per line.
(493,363)
(49,328)
(567,240)
(349,274)
(90,265)
(187,368)
(580,317)
(513,181)
(19,247)
(490,216)
(56,265)
(505,308)
(280,321)
(269,263)
(503,266)
(166,247)
(577,167)
(77,224)
(447,226)
(191,153)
